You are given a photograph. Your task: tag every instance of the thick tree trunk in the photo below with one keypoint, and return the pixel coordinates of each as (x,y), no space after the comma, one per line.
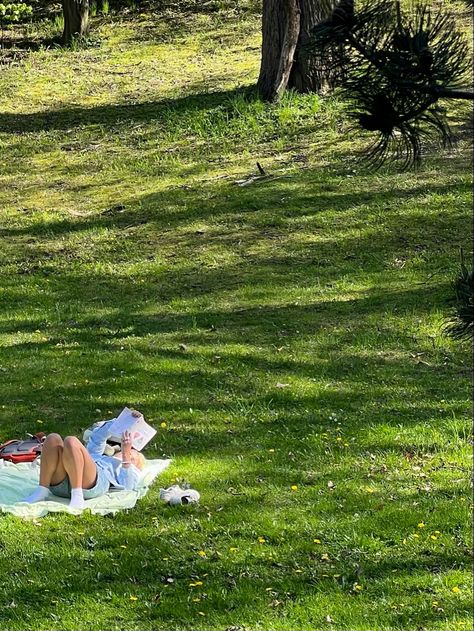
(281,21)
(281,29)
(290,42)
(76,19)
(310,72)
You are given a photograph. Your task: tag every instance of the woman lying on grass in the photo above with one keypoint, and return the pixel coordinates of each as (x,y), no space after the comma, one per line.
(68,469)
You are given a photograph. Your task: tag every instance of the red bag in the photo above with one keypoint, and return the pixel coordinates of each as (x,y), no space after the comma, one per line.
(23,450)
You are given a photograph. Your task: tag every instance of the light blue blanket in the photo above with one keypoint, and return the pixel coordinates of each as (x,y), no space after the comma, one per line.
(19,480)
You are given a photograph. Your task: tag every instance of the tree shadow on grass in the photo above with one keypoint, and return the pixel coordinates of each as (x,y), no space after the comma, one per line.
(87,315)
(260,324)
(30,45)
(140,306)
(175,208)
(173,380)
(118,114)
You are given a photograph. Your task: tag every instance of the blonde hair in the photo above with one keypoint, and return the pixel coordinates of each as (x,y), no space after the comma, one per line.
(141,460)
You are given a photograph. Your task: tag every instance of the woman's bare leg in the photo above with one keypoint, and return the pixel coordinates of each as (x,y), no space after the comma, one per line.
(52,470)
(79,466)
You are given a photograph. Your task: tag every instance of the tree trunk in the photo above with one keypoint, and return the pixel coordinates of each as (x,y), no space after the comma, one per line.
(281,29)
(310,72)
(76,19)
(283,21)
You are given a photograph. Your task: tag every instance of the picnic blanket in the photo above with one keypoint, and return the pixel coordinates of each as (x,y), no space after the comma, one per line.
(19,480)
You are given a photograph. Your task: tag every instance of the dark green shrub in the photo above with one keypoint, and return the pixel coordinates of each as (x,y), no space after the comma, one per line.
(461,324)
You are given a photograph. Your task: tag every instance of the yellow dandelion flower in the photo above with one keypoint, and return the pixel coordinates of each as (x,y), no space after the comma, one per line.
(272,451)
(357,588)
(233,549)
(369,490)
(404,542)
(316,540)
(166,558)
(325,557)
(202,553)
(196,600)
(421,525)
(434,537)
(133,598)
(416,536)
(456,589)
(268,589)
(437,532)
(435,603)
(294,487)
(163,425)
(261,540)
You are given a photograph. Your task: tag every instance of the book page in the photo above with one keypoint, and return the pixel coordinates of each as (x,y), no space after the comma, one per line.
(141,432)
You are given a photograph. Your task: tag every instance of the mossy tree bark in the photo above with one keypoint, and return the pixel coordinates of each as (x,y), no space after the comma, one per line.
(76,19)
(286,25)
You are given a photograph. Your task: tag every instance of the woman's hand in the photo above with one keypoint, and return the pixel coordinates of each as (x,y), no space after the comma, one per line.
(126,447)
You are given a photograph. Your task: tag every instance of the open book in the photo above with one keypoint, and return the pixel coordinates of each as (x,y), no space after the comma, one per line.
(141,432)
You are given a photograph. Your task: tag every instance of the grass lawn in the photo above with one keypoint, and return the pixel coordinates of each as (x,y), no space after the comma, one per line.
(289,334)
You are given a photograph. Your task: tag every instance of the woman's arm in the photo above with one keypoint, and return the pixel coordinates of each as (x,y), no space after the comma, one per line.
(129,474)
(98,440)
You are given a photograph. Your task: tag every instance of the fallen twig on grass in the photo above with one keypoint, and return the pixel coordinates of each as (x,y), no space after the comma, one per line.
(254,178)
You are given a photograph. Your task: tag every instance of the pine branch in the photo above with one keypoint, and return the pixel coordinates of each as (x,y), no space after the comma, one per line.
(396,68)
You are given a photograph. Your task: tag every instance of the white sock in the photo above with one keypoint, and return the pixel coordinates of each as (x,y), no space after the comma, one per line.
(38,495)
(77,499)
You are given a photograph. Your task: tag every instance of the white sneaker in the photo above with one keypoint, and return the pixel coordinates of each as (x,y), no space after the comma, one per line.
(175,495)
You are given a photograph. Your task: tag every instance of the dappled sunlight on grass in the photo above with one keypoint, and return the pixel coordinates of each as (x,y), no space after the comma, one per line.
(288,333)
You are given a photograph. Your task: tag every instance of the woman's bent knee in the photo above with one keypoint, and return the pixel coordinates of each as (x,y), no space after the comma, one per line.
(71,442)
(53,439)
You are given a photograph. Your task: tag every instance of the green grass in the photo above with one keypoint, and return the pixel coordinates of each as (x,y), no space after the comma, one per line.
(134,271)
